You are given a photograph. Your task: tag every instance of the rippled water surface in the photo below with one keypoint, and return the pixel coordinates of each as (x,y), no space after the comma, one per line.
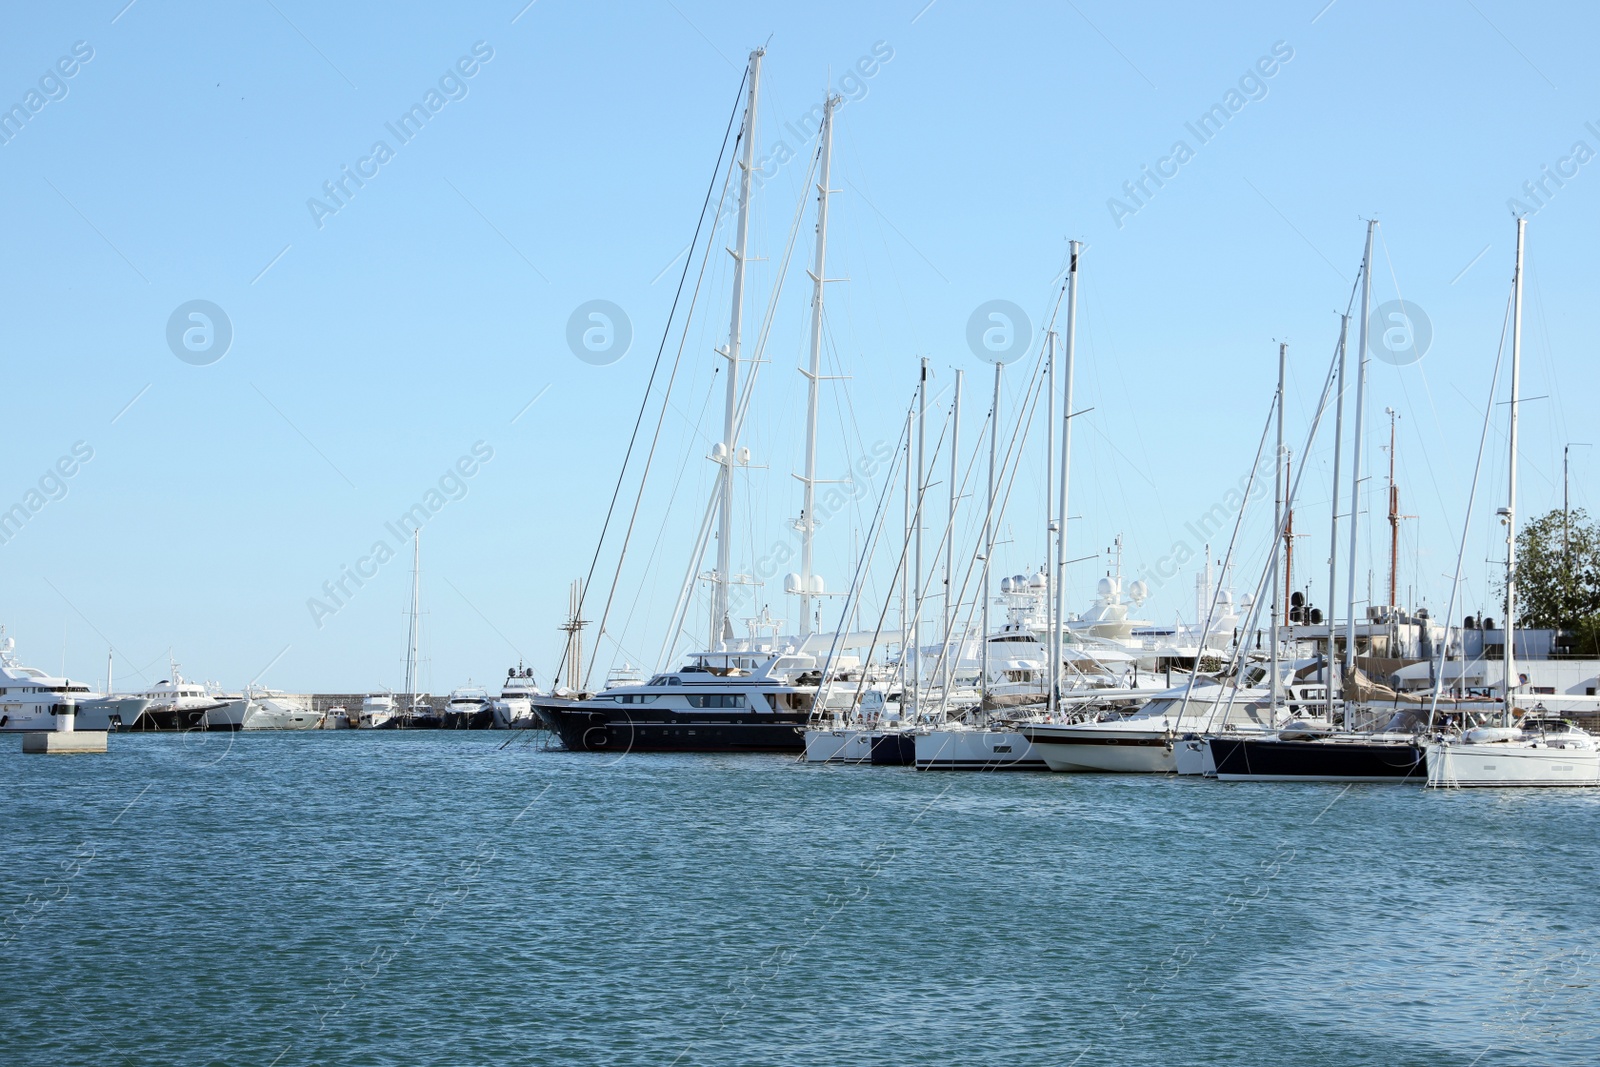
(436,898)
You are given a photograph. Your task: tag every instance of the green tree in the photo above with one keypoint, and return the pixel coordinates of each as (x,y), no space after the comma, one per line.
(1558,573)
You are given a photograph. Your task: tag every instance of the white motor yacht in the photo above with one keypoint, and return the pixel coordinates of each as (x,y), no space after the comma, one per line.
(176,704)
(262,709)
(27,695)
(1145,742)
(469,708)
(30,699)
(377,711)
(514,708)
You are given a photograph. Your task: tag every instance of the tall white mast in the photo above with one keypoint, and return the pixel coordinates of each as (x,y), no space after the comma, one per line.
(989,531)
(916,578)
(1277,524)
(1512,679)
(411,635)
(950,534)
(1355,455)
(1049,506)
(813,371)
(905,577)
(729,451)
(1333,506)
(1060,582)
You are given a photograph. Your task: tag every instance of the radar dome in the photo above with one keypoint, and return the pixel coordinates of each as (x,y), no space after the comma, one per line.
(1104,587)
(1139,592)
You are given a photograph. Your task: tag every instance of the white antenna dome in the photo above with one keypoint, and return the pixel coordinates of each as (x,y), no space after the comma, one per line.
(1039,581)
(1138,591)
(1105,586)
(791,583)
(816,584)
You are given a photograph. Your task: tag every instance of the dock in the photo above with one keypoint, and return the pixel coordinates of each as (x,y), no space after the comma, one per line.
(51,742)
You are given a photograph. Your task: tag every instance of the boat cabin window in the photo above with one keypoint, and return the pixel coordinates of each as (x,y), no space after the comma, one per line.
(715,700)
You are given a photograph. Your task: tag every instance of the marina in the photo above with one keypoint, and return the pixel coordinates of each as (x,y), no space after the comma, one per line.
(694,535)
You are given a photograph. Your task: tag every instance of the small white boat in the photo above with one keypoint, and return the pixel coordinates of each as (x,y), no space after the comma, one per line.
(377,711)
(1545,752)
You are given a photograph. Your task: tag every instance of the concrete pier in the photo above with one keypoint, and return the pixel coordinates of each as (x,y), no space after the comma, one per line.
(49,742)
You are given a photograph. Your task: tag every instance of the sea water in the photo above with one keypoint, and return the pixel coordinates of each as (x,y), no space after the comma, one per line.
(476,898)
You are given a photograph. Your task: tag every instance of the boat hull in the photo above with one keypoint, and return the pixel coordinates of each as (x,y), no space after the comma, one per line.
(1114,752)
(838,746)
(1269,759)
(976,750)
(584,729)
(895,748)
(110,713)
(1453,764)
(1189,757)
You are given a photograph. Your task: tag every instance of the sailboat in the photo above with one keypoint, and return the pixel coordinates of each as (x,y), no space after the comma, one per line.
(1309,750)
(751,694)
(1539,750)
(379,711)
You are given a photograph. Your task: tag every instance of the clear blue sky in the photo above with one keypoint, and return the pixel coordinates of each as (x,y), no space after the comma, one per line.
(370,353)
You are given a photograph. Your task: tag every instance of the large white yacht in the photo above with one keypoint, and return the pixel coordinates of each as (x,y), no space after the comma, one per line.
(30,699)
(752,695)
(176,704)
(27,696)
